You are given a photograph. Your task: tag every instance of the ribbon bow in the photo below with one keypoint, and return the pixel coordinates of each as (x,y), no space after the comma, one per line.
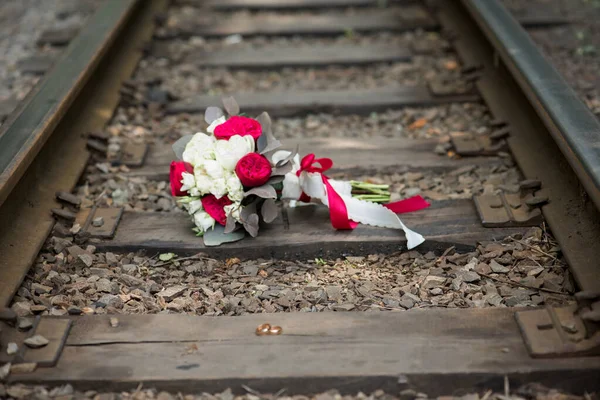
(338,213)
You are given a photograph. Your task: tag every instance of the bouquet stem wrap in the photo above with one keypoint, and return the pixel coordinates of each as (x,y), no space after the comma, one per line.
(346,211)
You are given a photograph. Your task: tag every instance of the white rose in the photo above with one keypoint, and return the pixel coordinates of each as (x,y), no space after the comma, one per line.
(215,123)
(209,168)
(235,190)
(188,181)
(203,221)
(203,183)
(195,192)
(291,187)
(233,210)
(281,154)
(218,187)
(193,206)
(199,148)
(229,152)
(291,182)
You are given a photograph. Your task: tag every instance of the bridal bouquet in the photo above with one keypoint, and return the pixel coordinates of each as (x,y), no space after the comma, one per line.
(231,178)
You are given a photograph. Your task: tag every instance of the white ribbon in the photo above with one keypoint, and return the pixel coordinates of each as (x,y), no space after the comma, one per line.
(364,212)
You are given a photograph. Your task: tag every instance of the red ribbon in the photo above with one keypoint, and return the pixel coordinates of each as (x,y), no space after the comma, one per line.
(337,208)
(411,204)
(338,213)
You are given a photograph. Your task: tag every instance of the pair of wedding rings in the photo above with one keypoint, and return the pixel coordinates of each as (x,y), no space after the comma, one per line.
(267,329)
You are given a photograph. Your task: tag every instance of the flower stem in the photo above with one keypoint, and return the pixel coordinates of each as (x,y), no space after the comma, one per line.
(370,192)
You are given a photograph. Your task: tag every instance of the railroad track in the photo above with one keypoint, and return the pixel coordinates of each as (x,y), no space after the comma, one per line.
(435,97)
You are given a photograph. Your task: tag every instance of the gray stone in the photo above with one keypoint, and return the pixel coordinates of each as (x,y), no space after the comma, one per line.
(164,396)
(111,259)
(493,299)
(103,285)
(22,368)
(512,301)
(98,221)
(436,291)
(40,289)
(129,268)
(110,300)
(355,259)
(12,348)
(130,280)
(86,259)
(36,341)
(408,394)
(470,276)
(498,268)
(175,291)
(433,281)
(22,309)
(343,307)
(334,293)
(38,308)
(62,391)
(101,272)
(73,310)
(75,250)
(250,270)
(4,371)
(406,301)
(24,324)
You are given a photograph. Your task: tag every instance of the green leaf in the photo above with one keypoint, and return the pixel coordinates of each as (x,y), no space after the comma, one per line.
(212,113)
(251,225)
(269,210)
(217,236)
(231,106)
(264,191)
(231,224)
(280,171)
(288,158)
(166,256)
(179,146)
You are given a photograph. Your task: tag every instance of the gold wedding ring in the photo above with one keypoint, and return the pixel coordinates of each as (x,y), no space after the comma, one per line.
(263,329)
(267,329)
(275,330)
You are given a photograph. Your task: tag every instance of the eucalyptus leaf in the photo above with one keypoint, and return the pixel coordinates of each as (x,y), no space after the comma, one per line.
(265,122)
(231,223)
(267,135)
(231,106)
(261,143)
(275,179)
(179,146)
(288,158)
(269,210)
(217,236)
(264,191)
(212,113)
(166,256)
(282,170)
(272,144)
(251,225)
(248,210)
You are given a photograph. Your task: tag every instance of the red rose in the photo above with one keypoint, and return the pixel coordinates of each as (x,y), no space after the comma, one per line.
(177,169)
(238,126)
(215,207)
(253,170)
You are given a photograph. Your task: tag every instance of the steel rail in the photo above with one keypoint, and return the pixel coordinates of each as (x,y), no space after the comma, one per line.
(574,128)
(24,134)
(25,215)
